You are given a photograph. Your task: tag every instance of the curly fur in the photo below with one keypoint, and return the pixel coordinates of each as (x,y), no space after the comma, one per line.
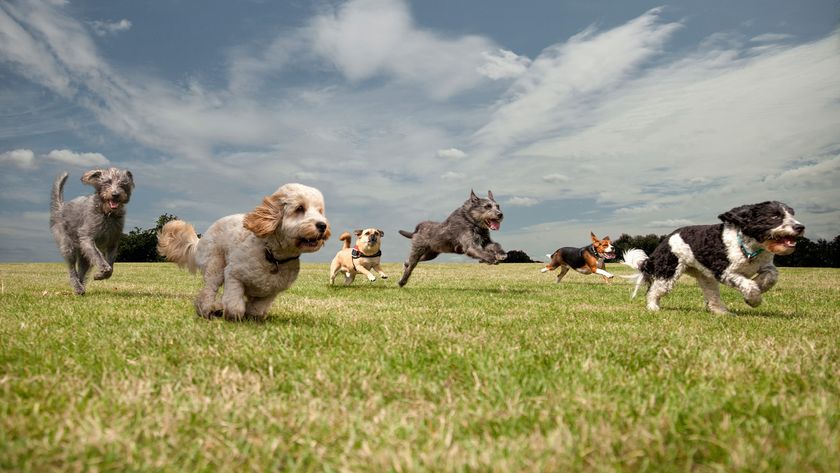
(254,255)
(738,252)
(87,229)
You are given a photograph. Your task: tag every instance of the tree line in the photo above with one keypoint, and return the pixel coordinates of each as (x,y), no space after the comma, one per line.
(140,246)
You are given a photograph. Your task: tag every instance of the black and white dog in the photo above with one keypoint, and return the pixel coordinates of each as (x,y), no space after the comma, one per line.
(738,252)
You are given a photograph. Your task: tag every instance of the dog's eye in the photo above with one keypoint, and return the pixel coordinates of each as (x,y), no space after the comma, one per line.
(488,206)
(299,209)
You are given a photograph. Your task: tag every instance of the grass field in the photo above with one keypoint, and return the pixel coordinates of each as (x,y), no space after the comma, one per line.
(467,368)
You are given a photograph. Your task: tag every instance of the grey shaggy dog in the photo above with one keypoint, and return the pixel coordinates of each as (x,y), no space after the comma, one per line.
(465,231)
(87,229)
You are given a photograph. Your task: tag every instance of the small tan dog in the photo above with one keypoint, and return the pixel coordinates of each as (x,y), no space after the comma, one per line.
(361,258)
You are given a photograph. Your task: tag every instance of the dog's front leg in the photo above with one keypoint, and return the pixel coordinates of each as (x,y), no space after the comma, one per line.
(360,268)
(94,256)
(233,298)
(378,269)
(606,274)
(767,277)
(481,255)
(748,288)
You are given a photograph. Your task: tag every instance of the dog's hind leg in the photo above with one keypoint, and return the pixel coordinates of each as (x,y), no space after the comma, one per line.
(562,273)
(76,282)
(711,292)
(416,255)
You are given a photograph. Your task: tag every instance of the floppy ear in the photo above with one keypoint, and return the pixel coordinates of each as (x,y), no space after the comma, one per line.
(738,216)
(130,179)
(381,233)
(265,219)
(490,195)
(91,177)
(357,232)
(473,197)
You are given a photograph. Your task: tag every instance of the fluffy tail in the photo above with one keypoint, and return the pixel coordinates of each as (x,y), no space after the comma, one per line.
(345,237)
(57,199)
(177,241)
(635,258)
(406,234)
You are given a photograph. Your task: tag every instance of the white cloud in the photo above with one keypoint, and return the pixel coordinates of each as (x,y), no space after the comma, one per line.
(503,64)
(20,158)
(771,38)
(522,201)
(555,178)
(78,159)
(366,38)
(451,153)
(452,176)
(104,28)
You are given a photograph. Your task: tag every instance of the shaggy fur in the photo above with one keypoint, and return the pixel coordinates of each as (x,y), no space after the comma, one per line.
(363,258)
(586,260)
(739,253)
(465,231)
(88,229)
(255,256)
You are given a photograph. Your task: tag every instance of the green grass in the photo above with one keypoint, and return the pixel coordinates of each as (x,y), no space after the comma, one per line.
(469,367)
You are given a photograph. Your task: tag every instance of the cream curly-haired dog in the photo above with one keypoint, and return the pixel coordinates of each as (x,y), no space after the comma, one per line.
(254,255)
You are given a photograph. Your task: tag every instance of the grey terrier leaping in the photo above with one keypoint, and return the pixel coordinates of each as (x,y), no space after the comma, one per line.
(465,231)
(87,229)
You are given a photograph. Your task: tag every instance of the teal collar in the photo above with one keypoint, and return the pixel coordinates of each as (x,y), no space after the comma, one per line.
(746,251)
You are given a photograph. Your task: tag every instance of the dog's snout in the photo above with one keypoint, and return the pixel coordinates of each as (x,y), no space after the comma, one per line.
(799,228)
(115,195)
(501,215)
(321,226)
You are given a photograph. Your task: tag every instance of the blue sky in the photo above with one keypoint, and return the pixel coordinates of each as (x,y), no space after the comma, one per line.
(615,117)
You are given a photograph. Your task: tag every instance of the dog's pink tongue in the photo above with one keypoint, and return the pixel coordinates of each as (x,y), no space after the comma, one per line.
(113,204)
(494,225)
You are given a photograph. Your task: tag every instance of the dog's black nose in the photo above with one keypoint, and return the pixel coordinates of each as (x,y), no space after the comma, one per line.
(321,226)
(115,195)
(799,228)
(501,215)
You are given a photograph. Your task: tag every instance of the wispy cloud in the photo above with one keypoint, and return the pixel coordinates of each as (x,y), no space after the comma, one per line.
(522,201)
(105,28)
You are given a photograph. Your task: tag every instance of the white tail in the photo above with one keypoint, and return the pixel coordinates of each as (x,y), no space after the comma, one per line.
(634,258)
(176,242)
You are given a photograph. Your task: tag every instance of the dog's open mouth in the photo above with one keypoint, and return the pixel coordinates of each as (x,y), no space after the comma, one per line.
(782,245)
(310,244)
(609,255)
(113,204)
(493,224)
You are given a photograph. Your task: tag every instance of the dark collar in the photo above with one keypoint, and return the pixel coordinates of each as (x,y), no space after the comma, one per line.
(269,256)
(591,249)
(356,254)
